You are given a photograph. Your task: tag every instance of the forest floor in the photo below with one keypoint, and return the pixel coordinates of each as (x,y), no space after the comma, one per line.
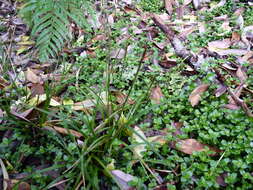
(154,95)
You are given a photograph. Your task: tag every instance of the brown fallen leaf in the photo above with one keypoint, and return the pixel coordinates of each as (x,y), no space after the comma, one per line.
(235,37)
(156,94)
(3,83)
(169,6)
(241,74)
(84,105)
(121,98)
(37,89)
(188,146)
(66,131)
(231,106)
(195,97)
(187,31)
(31,76)
(219,44)
(220,90)
(22,115)
(235,52)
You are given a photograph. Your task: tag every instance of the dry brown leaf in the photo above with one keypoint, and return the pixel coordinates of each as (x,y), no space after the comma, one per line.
(67,131)
(187,31)
(20,115)
(194,97)
(237,92)
(84,105)
(188,146)
(187,2)
(31,76)
(240,73)
(3,83)
(231,106)
(169,6)
(156,94)
(219,44)
(220,90)
(247,56)
(121,98)
(37,89)
(235,37)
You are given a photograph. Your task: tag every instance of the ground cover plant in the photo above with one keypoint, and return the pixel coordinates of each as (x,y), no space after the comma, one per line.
(147,95)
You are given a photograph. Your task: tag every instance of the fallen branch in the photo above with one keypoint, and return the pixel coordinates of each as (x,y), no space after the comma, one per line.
(176,43)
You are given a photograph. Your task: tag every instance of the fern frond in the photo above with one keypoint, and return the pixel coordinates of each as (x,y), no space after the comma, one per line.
(49,20)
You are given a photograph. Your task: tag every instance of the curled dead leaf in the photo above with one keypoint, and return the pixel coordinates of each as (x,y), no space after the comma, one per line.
(31,76)
(195,97)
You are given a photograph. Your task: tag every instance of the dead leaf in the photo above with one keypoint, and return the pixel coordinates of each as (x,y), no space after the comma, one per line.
(231,106)
(188,146)
(31,76)
(3,83)
(194,97)
(169,6)
(156,94)
(187,31)
(139,137)
(220,90)
(21,186)
(247,56)
(241,74)
(196,3)
(160,139)
(121,98)
(38,99)
(123,179)
(65,131)
(235,37)
(37,89)
(236,52)
(187,2)
(84,104)
(219,44)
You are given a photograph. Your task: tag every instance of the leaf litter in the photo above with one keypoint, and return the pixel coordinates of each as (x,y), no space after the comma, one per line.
(177,33)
